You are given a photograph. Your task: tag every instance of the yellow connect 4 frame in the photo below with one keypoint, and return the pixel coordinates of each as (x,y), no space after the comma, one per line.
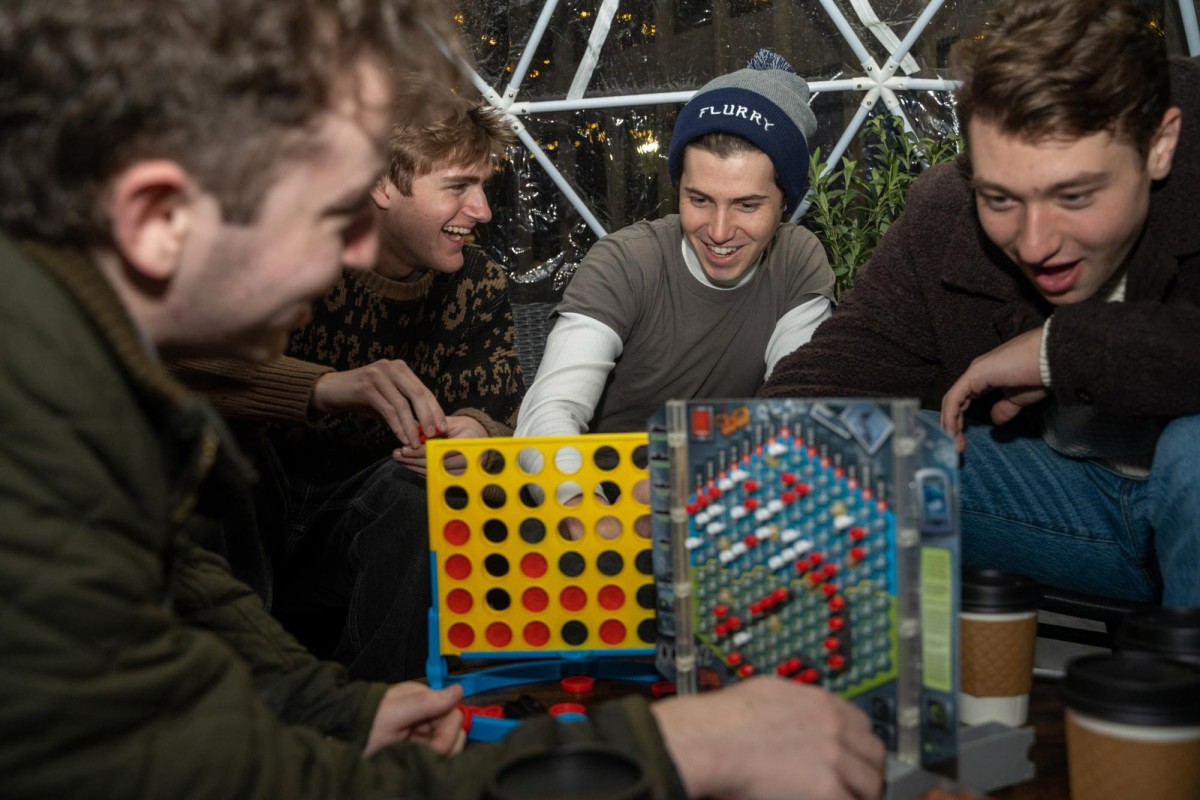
(541,546)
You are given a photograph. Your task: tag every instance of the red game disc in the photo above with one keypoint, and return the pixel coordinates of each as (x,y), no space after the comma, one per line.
(578,684)
(567,708)
(661,689)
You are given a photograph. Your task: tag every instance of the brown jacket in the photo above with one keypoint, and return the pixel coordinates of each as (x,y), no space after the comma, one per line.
(936,294)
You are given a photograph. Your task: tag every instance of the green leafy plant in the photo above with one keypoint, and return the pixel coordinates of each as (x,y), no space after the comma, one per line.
(854,204)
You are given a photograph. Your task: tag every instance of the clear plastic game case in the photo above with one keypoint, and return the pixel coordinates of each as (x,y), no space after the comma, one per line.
(816,540)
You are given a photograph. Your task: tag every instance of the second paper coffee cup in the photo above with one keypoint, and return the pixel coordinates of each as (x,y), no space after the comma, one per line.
(1170,632)
(1133,727)
(997,630)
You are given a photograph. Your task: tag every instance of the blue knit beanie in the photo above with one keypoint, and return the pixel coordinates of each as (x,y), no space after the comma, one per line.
(767,104)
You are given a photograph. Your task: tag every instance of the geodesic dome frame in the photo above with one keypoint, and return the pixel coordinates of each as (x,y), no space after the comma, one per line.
(591,87)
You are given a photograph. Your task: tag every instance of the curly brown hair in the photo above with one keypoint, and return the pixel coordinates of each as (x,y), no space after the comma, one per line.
(1065,69)
(226,88)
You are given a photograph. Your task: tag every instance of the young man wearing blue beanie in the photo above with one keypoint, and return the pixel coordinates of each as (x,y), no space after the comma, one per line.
(704,302)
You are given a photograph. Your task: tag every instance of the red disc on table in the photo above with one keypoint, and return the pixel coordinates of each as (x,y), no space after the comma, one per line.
(578,684)
(456,532)
(459,601)
(533,565)
(573,598)
(611,597)
(499,634)
(461,635)
(535,599)
(568,708)
(661,689)
(536,634)
(458,567)
(612,631)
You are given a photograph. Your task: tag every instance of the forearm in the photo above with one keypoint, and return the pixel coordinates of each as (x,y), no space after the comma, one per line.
(279,391)
(796,328)
(580,353)
(1141,359)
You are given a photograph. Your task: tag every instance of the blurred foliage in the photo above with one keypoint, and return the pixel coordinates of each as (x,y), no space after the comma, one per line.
(854,204)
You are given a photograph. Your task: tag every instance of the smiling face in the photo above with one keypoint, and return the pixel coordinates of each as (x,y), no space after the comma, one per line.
(241,288)
(729,208)
(426,229)
(1066,211)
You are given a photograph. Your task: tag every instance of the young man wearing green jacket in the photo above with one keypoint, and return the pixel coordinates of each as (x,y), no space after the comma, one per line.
(184,179)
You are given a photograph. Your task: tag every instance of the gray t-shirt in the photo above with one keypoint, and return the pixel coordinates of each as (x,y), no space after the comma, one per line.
(683,339)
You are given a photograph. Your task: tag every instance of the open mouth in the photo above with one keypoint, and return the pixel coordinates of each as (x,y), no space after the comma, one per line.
(456,232)
(721,252)
(1057,279)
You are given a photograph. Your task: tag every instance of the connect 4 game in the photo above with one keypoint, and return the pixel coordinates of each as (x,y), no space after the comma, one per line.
(540,549)
(814,540)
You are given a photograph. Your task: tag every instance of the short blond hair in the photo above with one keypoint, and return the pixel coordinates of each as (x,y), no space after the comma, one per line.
(471,132)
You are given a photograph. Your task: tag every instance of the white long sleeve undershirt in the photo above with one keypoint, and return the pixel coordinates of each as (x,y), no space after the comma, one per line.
(581,351)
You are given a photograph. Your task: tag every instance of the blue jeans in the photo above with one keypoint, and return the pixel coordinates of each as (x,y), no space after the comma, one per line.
(1075,525)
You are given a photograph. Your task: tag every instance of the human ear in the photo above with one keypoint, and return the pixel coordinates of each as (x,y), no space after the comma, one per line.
(1162,147)
(381,193)
(151,213)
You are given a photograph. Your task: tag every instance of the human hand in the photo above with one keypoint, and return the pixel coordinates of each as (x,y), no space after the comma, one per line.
(457,427)
(768,738)
(1013,368)
(388,388)
(413,712)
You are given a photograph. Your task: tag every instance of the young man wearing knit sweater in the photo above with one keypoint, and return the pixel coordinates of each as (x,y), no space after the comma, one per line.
(1043,292)
(701,303)
(134,666)
(421,345)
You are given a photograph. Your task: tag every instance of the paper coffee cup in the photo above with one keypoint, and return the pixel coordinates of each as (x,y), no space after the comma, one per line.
(997,632)
(1170,632)
(1133,727)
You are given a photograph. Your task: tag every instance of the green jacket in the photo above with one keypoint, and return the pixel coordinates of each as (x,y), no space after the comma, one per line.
(132,665)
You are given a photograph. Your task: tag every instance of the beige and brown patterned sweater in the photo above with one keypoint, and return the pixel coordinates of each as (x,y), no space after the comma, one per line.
(455,331)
